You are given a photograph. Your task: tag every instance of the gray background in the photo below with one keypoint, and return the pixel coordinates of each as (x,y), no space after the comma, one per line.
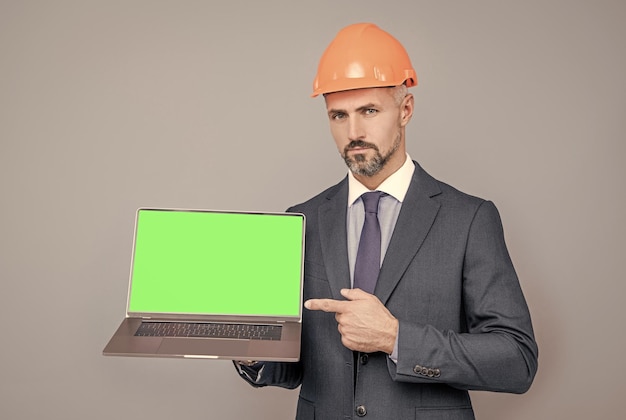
(106,106)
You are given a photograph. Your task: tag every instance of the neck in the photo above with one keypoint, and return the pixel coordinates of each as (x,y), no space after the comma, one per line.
(371,182)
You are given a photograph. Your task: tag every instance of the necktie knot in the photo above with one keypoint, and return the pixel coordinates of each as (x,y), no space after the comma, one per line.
(370,201)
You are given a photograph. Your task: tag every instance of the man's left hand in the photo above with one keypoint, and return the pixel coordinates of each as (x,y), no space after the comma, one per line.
(365,324)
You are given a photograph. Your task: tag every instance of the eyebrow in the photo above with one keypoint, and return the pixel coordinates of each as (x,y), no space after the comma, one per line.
(359,109)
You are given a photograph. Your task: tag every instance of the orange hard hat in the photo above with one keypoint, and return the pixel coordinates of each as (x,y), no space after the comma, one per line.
(363,56)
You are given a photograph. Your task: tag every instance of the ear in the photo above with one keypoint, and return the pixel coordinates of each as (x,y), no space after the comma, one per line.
(406,109)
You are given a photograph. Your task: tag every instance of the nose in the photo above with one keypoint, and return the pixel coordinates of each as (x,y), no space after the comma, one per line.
(355,129)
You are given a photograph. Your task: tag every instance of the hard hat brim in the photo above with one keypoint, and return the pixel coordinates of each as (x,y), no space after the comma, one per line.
(341,85)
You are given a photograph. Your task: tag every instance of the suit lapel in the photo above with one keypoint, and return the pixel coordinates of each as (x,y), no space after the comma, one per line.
(333,237)
(416,217)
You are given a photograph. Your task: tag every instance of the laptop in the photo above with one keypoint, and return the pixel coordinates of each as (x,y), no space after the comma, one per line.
(215,285)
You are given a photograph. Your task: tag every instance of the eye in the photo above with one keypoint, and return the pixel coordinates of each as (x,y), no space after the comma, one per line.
(370,111)
(337,116)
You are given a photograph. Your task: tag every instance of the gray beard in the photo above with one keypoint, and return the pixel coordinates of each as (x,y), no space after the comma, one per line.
(359,165)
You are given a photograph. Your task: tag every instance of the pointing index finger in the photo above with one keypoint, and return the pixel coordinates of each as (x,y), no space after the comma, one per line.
(326,305)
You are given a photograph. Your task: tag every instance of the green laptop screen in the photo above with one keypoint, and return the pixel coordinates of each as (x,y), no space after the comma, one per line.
(203,262)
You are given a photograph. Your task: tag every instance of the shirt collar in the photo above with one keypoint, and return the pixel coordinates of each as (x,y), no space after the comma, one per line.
(396,185)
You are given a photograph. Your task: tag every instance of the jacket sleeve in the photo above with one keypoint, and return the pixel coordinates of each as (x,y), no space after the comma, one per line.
(497,351)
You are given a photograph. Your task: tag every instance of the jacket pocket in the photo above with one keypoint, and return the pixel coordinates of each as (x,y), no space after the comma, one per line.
(305,410)
(444,414)
(314,270)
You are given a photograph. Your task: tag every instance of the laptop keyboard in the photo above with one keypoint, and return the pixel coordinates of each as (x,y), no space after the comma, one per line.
(210,329)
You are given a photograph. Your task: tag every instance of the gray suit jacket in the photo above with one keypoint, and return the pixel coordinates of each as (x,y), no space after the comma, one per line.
(448,278)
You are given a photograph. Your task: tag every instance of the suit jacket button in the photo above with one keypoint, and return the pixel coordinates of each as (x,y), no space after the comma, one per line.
(424,371)
(364,359)
(417,369)
(361,411)
(437,373)
(431,373)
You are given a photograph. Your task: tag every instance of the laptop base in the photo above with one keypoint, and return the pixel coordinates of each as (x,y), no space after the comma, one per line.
(125,343)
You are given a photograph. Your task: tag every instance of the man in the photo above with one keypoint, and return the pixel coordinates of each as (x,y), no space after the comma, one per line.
(435,309)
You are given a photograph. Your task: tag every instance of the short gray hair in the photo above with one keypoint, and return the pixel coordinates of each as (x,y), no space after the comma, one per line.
(399,93)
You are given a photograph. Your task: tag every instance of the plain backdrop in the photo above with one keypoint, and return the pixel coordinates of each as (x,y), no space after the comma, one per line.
(106,106)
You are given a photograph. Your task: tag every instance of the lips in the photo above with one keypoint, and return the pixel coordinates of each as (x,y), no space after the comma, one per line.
(359,146)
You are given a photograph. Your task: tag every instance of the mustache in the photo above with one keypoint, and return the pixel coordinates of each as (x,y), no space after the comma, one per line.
(359,144)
